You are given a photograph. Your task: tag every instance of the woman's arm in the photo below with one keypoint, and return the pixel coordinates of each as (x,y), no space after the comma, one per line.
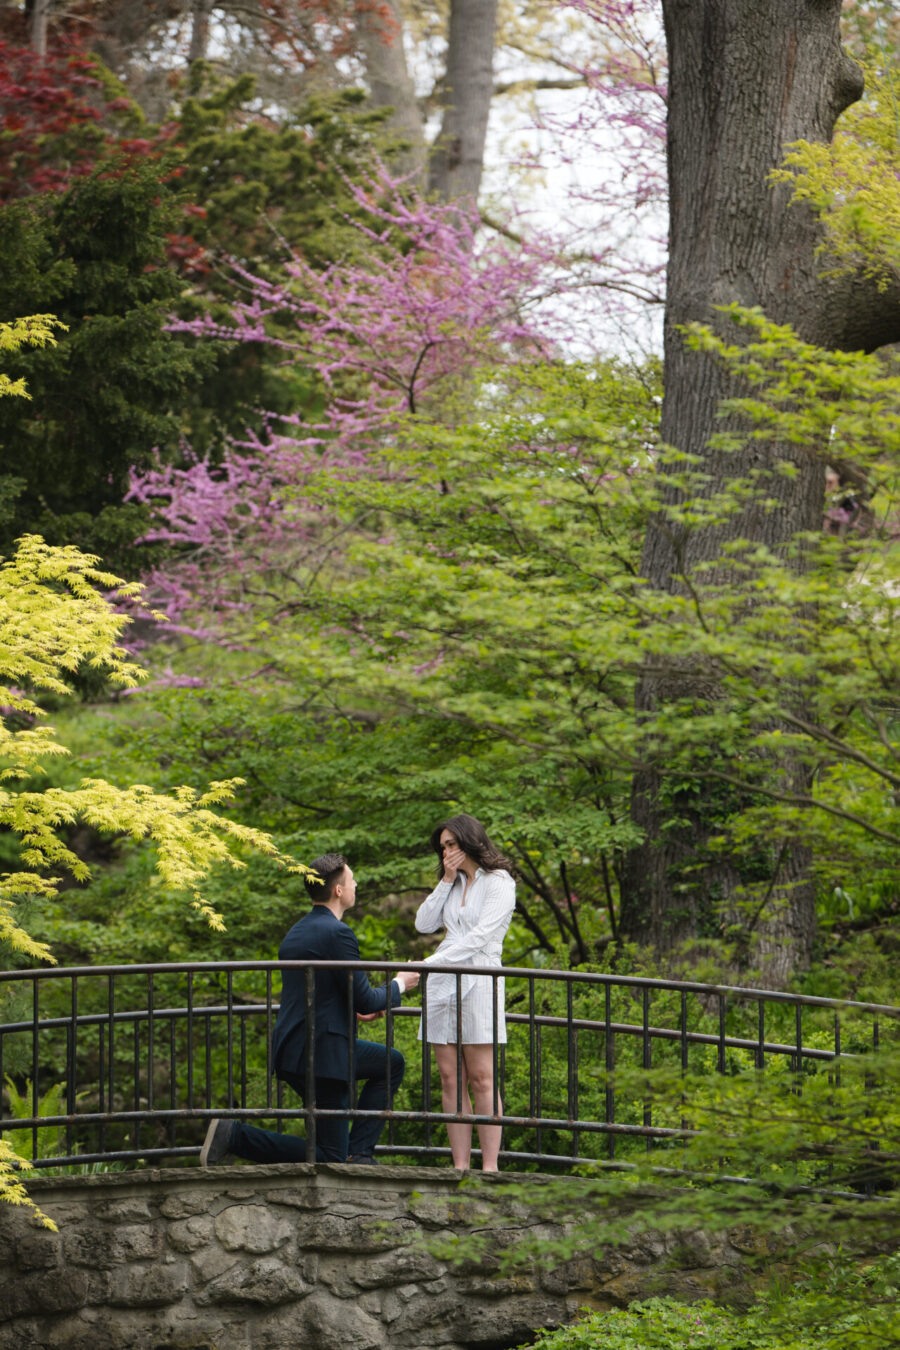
(430,914)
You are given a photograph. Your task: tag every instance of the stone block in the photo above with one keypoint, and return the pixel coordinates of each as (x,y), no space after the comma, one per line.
(87,1333)
(332,1232)
(21,1335)
(252,1228)
(750,1242)
(632,1283)
(208,1263)
(135,1243)
(511,1322)
(392,1307)
(40,1251)
(235,1191)
(153,1286)
(40,1293)
(97,1286)
(266,1281)
(184,1204)
(91,1247)
(490,1285)
(439,1211)
(130,1209)
(401,1266)
(186,1235)
(331,1322)
(578,1274)
(301,1196)
(428,1318)
(695,1250)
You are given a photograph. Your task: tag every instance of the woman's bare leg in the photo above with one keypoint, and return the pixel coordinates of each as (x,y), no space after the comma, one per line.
(460,1135)
(480,1069)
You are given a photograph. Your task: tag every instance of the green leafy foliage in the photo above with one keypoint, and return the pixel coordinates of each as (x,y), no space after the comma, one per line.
(21,1105)
(103,398)
(851,1307)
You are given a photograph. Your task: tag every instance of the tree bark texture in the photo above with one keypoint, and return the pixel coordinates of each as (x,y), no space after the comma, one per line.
(200,12)
(38,13)
(458,155)
(746,78)
(390,83)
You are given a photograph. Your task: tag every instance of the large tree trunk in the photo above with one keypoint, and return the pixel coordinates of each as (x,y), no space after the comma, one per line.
(746,77)
(200,12)
(390,83)
(458,155)
(38,13)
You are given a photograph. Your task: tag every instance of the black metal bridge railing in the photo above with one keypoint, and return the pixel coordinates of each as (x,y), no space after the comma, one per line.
(106,1066)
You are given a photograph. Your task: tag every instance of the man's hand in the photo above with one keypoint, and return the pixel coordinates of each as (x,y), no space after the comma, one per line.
(407,979)
(369,1017)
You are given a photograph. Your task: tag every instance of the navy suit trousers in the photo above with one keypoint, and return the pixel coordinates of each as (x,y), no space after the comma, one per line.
(335,1138)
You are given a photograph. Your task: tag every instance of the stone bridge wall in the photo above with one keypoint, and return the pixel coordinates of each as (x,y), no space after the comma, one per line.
(299,1258)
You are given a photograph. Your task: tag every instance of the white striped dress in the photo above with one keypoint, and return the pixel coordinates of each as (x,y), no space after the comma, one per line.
(474,934)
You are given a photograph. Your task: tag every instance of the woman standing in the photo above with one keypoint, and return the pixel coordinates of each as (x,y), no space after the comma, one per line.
(473,902)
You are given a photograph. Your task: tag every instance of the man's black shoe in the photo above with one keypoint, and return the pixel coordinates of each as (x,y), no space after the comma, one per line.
(362,1159)
(217,1143)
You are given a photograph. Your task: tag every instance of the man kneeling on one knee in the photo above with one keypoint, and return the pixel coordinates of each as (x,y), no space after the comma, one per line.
(322,935)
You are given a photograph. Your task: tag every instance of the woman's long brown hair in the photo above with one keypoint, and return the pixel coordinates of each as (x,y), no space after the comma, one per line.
(472,838)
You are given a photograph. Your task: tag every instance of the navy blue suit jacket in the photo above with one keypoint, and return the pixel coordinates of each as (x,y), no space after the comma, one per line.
(321,936)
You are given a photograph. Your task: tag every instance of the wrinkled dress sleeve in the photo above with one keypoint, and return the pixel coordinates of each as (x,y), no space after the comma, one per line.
(430,914)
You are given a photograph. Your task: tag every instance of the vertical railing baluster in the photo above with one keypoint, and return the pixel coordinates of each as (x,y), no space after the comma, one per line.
(101,1086)
(190,1040)
(388,1047)
(310,988)
(71,1070)
(207,1058)
(459,1061)
(496,1047)
(610,1068)
(571,1069)
(351,1076)
(503,1074)
(684,1051)
(229,1021)
(35,1055)
(539,1080)
(137,1077)
(648,1110)
(111,1040)
(875,1146)
(761,1034)
(426,1061)
(243,1022)
(721,1059)
(268,1040)
(173,1081)
(532,1101)
(150,1040)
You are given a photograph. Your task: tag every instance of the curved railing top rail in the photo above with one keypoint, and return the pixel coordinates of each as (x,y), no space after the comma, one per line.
(432,967)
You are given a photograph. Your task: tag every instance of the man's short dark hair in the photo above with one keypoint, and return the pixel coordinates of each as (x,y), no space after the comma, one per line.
(330,868)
